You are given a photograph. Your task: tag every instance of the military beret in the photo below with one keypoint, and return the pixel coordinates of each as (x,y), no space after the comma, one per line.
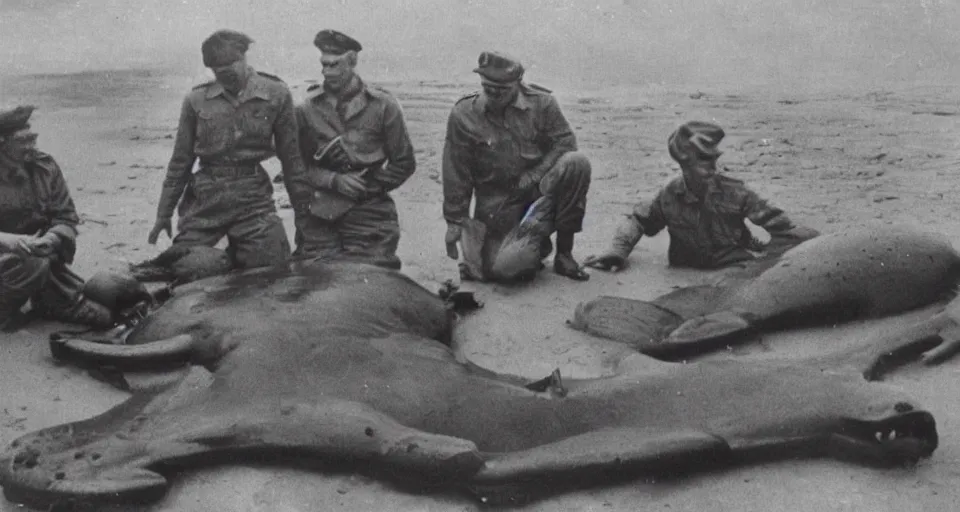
(16,119)
(695,138)
(498,67)
(337,43)
(224,47)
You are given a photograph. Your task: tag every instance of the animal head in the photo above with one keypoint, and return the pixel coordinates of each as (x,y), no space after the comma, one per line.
(840,416)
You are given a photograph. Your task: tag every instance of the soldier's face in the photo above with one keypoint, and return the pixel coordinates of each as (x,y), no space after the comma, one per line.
(231,76)
(700,168)
(337,70)
(498,94)
(20,144)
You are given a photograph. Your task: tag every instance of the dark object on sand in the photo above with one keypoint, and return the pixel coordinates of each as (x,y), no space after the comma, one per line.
(348,363)
(833,278)
(183,264)
(116,290)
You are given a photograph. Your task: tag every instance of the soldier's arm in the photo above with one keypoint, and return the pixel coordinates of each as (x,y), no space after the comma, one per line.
(64,218)
(287,140)
(556,137)
(457,175)
(181,163)
(401,162)
(774,220)
(645,219)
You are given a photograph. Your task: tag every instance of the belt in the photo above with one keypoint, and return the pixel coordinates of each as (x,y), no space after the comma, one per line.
(230,171)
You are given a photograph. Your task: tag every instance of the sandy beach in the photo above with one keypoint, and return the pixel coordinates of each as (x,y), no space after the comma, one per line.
(833,157)
(831,160)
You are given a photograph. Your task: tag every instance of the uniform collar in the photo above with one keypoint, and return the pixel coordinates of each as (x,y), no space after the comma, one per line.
(354,98)
(256,87)
(10,168)
(713,187)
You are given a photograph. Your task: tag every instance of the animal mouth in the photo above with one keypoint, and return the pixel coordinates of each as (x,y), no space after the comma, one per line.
(899,440)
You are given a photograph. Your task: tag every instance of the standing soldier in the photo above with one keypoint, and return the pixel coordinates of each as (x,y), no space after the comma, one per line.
(354,141)
(227,127)
(509,145)
(38,232)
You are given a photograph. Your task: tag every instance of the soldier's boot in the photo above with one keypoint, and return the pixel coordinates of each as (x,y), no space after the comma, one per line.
(563,262)
(546,247)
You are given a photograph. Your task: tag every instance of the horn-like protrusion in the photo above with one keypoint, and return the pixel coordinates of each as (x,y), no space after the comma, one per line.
(164,353)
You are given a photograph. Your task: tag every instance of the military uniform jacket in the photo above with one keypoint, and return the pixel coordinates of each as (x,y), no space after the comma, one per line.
(374,134)
(707,233)
(35,198)
(223,131)
(486,156)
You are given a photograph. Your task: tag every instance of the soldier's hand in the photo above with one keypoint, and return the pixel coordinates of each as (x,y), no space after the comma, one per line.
(350,185)
(40,245)
(527,181)
(159,226)
(451,239)
(607,262)
(11,242)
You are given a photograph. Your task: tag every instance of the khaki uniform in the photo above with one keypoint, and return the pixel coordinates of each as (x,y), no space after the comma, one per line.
(215,167)
(375,137)
(34,199)
(708,233)
(484,159)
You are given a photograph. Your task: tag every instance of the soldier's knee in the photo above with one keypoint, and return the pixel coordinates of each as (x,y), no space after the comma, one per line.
(574,167)
(17,265)
(22,275)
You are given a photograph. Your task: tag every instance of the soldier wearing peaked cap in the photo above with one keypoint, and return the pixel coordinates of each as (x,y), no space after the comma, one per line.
(355,143)
(227,127)
(508,146)
(38,233)
(703,211)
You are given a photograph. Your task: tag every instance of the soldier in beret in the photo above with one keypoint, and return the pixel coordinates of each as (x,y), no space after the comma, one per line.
(702,210)
(354,141)
(227,127)
(38,233)
(509,145)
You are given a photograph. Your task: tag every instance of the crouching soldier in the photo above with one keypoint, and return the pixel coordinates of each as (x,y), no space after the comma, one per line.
(511,148)
(38,233)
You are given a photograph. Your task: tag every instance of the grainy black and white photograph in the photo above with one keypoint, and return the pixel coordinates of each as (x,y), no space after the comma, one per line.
(471,255)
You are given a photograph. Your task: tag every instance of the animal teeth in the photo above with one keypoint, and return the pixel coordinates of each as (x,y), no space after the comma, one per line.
(878,435)
(893,434)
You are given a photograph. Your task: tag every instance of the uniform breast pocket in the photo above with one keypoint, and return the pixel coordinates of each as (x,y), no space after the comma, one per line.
(681,219)
(497,153)
(214,130)
(366,138)
(257,121)
(729,212)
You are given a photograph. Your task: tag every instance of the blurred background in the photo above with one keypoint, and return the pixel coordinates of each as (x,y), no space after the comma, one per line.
(579,44)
